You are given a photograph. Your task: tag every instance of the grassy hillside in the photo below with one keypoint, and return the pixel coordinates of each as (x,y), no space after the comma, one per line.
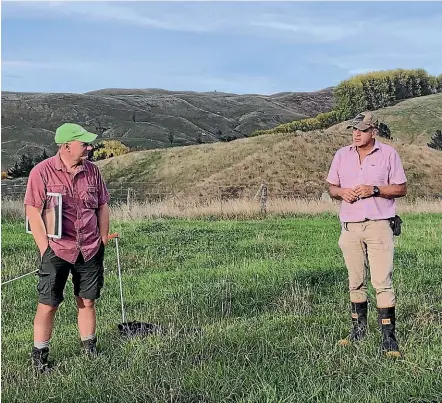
(270,297)
(292,164)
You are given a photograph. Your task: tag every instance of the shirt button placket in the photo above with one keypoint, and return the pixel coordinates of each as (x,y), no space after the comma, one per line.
(361,173)
(78,213)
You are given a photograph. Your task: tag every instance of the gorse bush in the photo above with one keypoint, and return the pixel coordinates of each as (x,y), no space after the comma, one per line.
(107,149)
(321,121)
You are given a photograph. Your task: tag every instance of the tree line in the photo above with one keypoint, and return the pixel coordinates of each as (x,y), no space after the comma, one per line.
(366,92)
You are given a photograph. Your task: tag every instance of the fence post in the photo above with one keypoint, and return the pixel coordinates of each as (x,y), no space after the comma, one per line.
(220,194)
(263,199)
(128,197)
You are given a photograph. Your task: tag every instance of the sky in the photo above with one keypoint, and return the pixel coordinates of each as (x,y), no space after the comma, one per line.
(239,47)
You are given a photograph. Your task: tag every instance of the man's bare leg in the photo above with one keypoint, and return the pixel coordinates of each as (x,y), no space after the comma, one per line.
(87,324)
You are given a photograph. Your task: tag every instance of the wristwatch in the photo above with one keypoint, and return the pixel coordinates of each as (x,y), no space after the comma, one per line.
(376,191)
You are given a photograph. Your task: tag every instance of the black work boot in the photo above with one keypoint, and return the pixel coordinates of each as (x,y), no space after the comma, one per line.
(90,347)
(359,320)
(40,360)
(387,323)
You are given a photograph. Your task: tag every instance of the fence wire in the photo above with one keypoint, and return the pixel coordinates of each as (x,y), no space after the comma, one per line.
(147,192)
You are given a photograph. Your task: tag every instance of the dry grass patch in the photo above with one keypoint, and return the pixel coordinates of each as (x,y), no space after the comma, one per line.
(235,208)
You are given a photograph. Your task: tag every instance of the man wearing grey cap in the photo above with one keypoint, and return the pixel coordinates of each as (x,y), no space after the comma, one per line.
(367,176)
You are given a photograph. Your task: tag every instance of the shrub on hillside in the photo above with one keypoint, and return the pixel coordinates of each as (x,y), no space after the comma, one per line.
(439,83)
(384,131)
(107,149)
(321,121)
(436,140)
(23,166)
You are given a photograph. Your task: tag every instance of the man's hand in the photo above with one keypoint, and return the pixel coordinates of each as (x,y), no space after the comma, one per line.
(103,222)
(348,195)
(42,252)
(105,240)
(38,228)
(363,191)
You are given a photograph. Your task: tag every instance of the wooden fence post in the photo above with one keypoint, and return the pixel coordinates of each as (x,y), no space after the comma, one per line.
(263,199)
(128,198)
(220,193)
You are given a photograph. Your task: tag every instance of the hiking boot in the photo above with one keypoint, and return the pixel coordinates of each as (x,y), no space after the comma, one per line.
(359,320)
(40,360)
(387,323)
(90,347)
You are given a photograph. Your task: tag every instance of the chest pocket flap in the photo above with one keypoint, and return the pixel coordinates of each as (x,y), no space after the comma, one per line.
(90,197)
(56,189)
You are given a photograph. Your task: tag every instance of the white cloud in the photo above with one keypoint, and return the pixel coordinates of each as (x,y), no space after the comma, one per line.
(316,29)
(195,17)
(105,11)
(128,15)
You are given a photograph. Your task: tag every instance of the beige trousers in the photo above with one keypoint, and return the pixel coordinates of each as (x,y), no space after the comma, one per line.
(369,244)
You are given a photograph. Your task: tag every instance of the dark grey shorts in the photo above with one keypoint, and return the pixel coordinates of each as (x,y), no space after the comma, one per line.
(87,277)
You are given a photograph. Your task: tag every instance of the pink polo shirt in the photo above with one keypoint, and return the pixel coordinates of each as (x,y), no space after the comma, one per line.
(381,167)
(82,194)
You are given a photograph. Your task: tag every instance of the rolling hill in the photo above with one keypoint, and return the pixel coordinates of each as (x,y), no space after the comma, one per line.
(292,164)
(148,119)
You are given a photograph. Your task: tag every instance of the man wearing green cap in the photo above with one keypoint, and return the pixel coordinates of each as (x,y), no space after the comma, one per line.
(367,177)
(80,250)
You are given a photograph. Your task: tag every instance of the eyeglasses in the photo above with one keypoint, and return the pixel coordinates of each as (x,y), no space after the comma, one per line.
(85,145)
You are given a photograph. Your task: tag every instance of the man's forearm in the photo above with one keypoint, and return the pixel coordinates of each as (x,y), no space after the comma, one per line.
(38,228)
(334,192)
(392,191)
(103,221)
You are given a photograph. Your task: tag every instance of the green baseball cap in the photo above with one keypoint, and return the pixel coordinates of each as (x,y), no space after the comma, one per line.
(70,131)
(364,121)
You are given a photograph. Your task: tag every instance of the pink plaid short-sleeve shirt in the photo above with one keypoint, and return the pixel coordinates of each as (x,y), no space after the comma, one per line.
(82,194)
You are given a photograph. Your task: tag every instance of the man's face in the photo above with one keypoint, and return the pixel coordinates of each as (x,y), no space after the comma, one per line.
(362,138)
(79,150)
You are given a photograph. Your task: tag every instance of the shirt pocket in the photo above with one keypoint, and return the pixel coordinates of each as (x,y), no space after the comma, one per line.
(56,189)
(90,197)
(378,174)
